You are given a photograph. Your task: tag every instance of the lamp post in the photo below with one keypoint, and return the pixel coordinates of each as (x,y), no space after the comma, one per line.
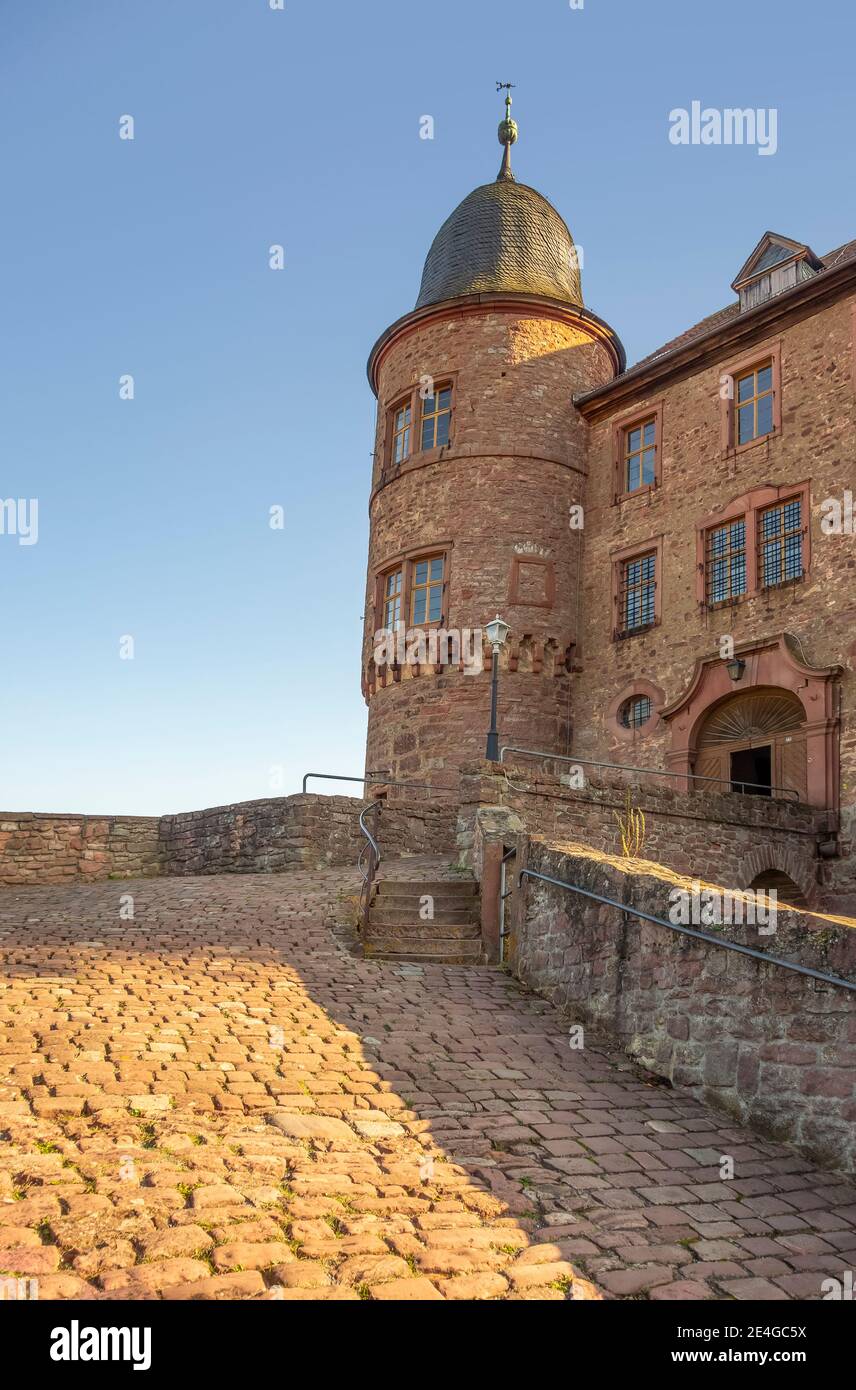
(497,631)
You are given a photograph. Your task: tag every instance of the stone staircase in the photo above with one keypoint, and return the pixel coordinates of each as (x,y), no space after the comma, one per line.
(423,911)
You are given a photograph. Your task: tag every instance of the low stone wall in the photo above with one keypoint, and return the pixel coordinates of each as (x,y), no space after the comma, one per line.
(36,848)
(268,836)
(771,1048)
(730,839)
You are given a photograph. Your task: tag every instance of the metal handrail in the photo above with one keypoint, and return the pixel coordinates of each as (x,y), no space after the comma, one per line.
(688,931)
(368,860)
(503,894)
(368,873)
(337,777)
(654,771)
(372,842)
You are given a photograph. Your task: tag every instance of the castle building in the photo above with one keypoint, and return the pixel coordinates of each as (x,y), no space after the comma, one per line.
(672,544)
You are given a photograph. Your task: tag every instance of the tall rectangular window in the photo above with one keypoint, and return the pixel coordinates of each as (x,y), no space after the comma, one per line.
(725,561)
(401,431)
(754,403)
(638,588)
(640,456)
(780,543)
(392,588)
(437,418)
(427,591)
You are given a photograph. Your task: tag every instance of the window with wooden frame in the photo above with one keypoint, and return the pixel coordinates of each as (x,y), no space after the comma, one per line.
(437,418)
(413,591)
(753,392)
(640,453)
(751,396)
(426,590)
(636,450)
(780,543)
(725,561)
(392,595)
(418,424)
(638,589)
(402,430)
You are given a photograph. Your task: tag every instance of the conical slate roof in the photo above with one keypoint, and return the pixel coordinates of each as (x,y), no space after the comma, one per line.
(503,236)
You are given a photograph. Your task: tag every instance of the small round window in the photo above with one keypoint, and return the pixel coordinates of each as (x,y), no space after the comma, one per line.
(635,711)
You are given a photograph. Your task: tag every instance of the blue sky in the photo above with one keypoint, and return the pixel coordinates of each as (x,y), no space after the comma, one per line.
(300,127)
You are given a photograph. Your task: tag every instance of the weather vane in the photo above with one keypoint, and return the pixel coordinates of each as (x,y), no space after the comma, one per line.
(508,131)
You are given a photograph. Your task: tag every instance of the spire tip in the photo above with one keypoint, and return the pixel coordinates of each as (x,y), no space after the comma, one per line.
(507,133)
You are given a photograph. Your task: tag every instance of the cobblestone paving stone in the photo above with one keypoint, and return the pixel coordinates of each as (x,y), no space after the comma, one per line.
(216,1100)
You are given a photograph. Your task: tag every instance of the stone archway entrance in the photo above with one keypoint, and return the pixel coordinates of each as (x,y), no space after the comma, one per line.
(786,889)
(776,722)
(754,741)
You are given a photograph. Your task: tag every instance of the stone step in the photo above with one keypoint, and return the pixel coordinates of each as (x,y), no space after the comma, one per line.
(437,888)
(423,931)
(415,898)
(384,910)
(457,953)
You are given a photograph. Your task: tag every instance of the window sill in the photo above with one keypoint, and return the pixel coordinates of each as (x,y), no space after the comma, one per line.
(623,635)
(713,607)
(394,470)
(782,584)
(733,450)
(767,589)
(644,491)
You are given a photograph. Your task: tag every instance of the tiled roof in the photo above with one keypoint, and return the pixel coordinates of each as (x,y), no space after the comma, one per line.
(503,236)
(831,261)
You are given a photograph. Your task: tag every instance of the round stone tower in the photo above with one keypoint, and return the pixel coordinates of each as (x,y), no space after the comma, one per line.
(479,474)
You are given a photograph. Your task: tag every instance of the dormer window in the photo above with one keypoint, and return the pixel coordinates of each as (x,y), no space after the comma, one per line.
(776,264)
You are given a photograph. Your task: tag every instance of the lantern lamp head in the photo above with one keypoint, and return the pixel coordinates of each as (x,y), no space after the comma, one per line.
(497,632)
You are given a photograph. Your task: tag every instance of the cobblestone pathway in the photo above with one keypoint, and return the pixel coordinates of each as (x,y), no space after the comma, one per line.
(216,1100)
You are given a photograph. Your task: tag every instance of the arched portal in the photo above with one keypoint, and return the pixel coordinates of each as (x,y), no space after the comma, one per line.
(763,701)
(754,741)
(787,891)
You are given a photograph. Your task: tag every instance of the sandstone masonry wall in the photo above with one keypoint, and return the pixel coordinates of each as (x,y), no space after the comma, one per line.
(37,848)
(267,836)
(699,478)
(725,839)
(495,498)
(772,1048)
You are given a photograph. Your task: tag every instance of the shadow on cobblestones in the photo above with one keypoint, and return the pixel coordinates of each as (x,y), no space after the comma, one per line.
(215,1100)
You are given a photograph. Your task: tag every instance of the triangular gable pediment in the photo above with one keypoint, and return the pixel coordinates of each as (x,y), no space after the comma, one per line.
(772,250)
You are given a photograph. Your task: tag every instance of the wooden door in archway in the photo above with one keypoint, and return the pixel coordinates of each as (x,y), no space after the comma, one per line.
(753,721)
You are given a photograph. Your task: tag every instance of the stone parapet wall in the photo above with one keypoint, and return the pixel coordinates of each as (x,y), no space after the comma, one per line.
(267,836)
(41,848)
(727,838)
(772,1048)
